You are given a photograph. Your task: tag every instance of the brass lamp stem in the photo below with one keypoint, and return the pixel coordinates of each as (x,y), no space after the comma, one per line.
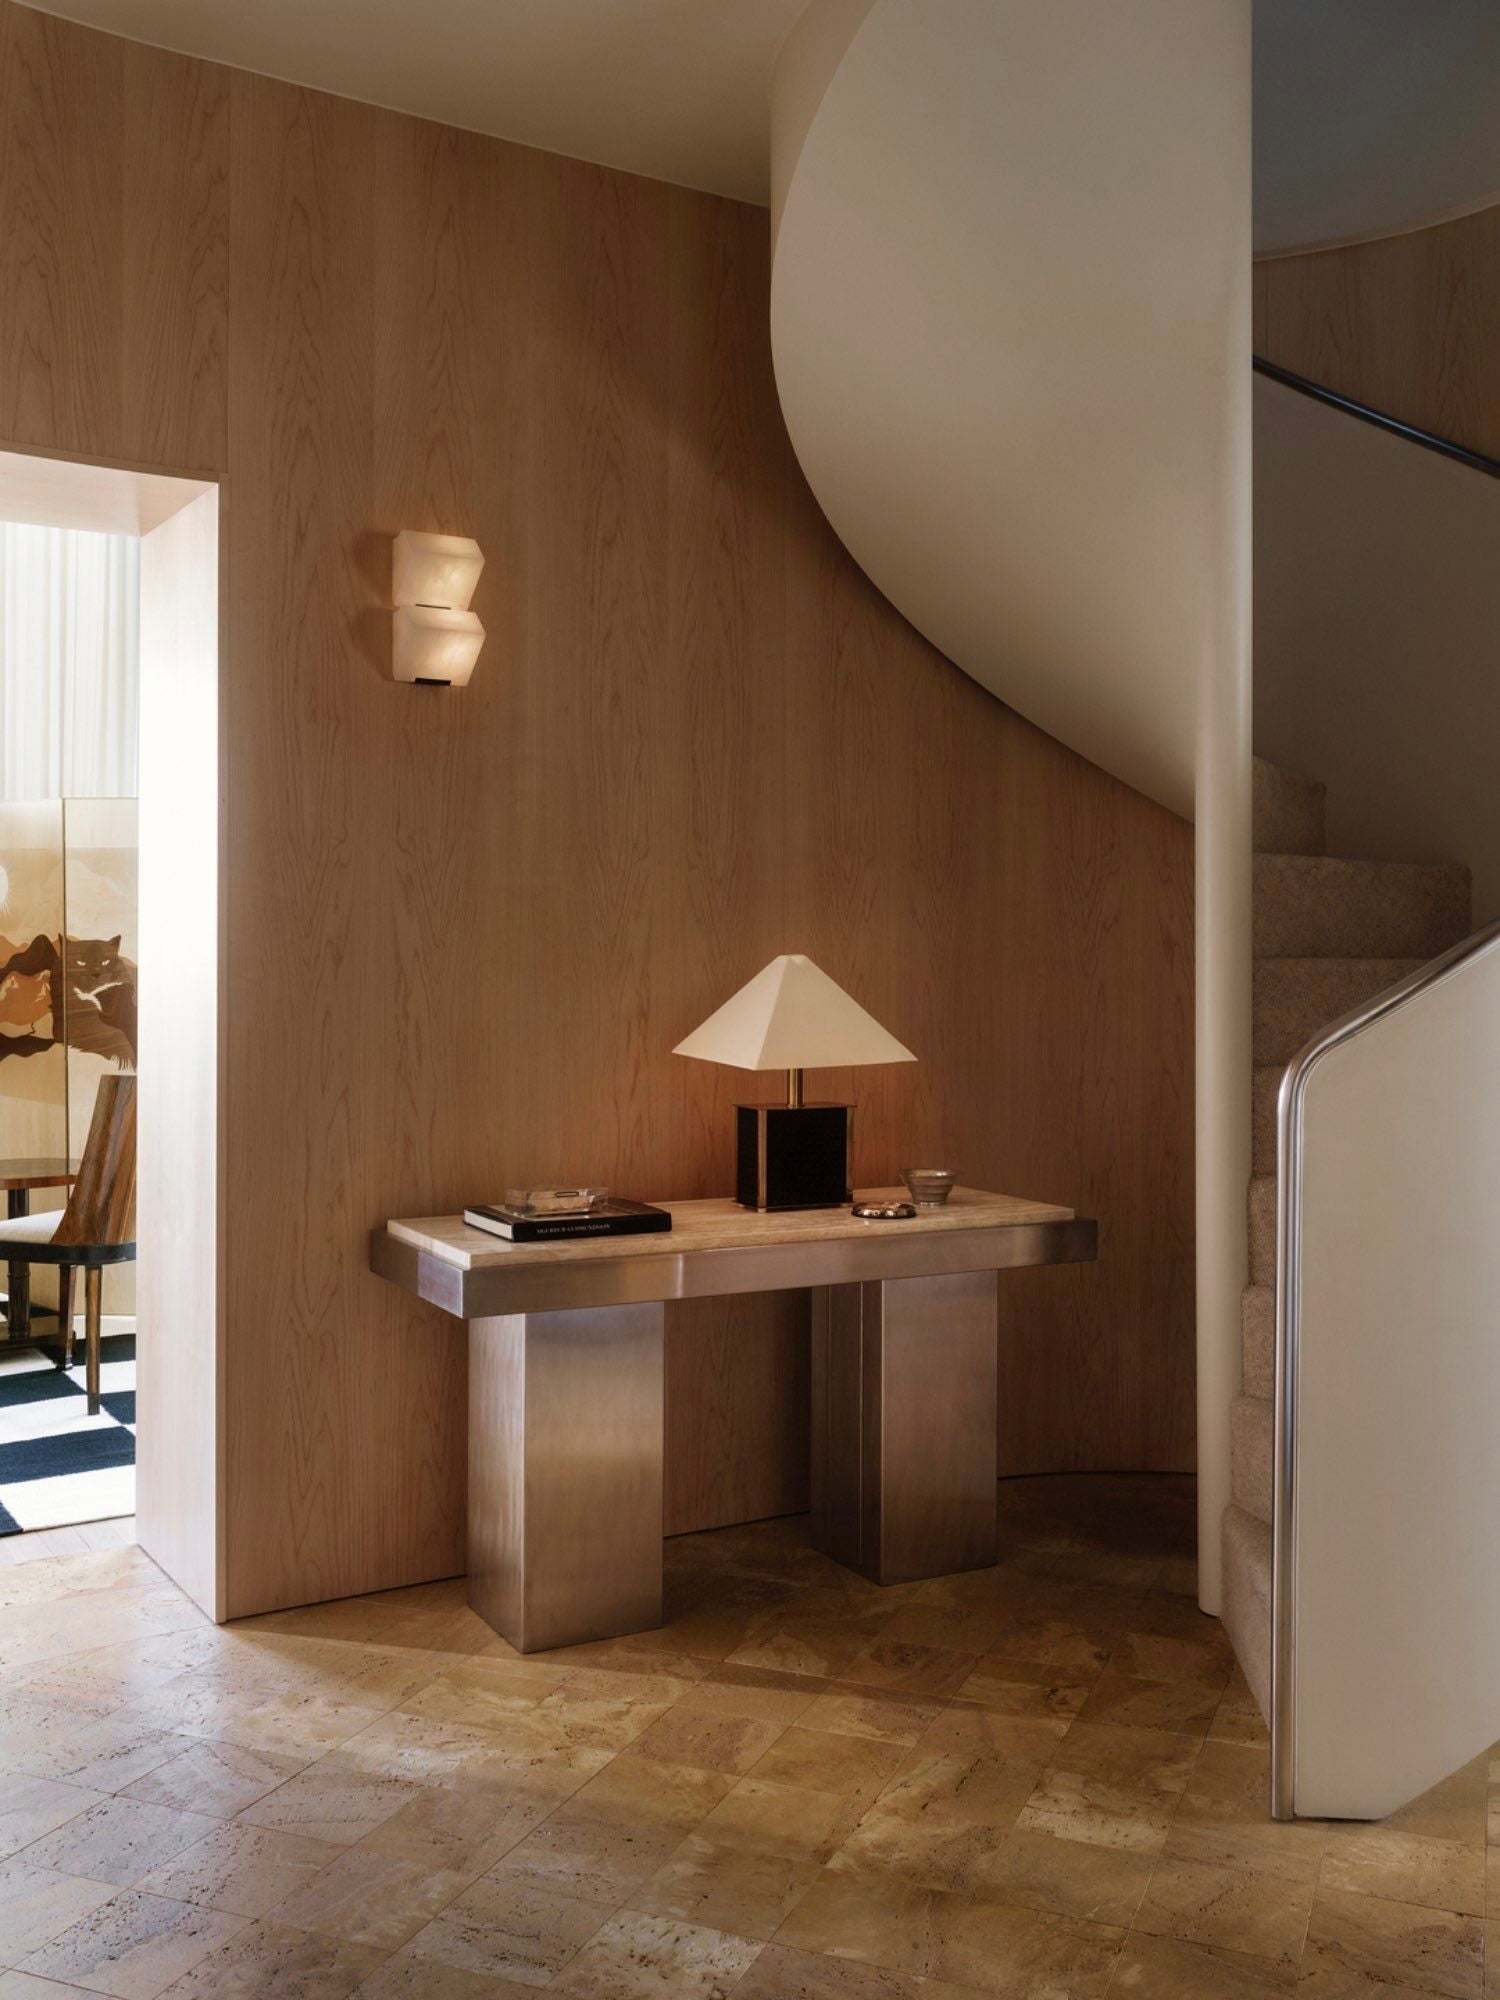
(794,1089)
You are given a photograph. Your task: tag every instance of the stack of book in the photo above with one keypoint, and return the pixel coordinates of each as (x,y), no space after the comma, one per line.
(605,1218)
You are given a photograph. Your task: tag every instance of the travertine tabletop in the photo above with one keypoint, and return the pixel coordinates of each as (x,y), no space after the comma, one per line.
(721,1225)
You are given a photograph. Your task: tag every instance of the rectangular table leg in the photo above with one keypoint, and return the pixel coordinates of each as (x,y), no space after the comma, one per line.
(565,1474)
(18,1276)
(905,1386)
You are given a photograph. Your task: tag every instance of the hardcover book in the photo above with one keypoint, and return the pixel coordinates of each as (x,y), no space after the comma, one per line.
(610,1218)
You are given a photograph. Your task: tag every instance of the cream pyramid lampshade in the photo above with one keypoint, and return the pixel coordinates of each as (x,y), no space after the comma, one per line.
(793,1017)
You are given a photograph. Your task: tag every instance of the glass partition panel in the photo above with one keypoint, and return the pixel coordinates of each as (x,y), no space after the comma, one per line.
(99,974)
(33,1064)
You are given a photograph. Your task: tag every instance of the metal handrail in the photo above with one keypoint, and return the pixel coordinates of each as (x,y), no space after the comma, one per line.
(1428,440)
(1290,1112)
(1331,397)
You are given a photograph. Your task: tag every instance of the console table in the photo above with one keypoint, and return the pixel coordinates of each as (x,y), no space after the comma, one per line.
(566,1389)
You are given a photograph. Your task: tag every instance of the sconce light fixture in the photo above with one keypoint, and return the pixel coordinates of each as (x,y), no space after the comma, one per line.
(437,637)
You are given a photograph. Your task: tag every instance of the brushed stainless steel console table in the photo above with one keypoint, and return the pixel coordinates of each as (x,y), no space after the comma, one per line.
(565,1389)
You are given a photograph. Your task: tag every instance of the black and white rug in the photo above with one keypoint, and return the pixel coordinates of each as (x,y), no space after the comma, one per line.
(59,1465)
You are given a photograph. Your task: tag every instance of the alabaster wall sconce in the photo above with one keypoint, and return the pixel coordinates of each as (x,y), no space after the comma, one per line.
(436,637)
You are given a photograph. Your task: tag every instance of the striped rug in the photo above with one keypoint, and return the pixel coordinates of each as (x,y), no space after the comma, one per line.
(59,1465)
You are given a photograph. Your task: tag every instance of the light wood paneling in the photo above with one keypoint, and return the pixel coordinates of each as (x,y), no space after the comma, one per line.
(463,931)
(1407,325)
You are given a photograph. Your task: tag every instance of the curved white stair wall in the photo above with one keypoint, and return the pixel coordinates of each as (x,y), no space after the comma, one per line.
(1010,323)
(1008,260)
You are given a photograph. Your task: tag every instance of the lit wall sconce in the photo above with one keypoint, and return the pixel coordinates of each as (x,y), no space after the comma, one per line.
(437,637)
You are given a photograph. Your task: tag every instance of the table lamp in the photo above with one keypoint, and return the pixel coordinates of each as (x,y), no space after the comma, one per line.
(791,1016)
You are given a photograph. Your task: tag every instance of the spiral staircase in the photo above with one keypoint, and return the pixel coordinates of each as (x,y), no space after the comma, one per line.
(1010,330)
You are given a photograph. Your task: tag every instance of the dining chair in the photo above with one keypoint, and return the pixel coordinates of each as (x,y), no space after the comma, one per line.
(96,1228)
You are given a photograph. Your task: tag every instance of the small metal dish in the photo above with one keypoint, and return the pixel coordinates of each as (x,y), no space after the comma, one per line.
(884,1211)
(929,1187)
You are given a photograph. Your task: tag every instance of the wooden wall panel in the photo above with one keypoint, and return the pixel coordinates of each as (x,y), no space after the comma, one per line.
(1406,325)
(464,930)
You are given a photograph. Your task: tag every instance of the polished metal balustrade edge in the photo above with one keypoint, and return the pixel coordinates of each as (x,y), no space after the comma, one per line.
(1290,1112)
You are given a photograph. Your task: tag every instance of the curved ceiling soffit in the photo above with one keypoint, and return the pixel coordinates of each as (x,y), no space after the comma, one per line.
(1005,322)
(1372,118)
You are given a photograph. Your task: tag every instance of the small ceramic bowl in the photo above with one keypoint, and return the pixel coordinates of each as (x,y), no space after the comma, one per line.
(929,1187)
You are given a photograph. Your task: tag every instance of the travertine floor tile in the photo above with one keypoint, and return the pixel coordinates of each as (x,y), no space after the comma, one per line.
(1491,1962)
(481,1693)
(245,1870)
(970,1729)
(466,1829)
(217,1778)
(517,1749)
(25,1986)
(510,1928)
(825,1760)
(998,1948)
(268,1961)
(334,1799)
(1070,1878)
(1184,1707)
(37,1904)
(747,1891)
(668,1794)
(637,1957)
(783,1974)
(103,1756)
(889,1718)
(900,1926)
(602,1854)
(369,1898)
(1400,1943)
(1115,1787)
(904,1667)
(1455,1809)
(404,1976)
(1262,1915)
(1383,1860)
(801,1788)
(758,1692)
(119,1840)
(1159,1968)
(1224,1818)
(705,1741)
(32,1807)
(1027,1688)
(134,1946)
(781,1819)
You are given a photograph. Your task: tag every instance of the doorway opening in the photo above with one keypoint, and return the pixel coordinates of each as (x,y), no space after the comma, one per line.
(109,1014)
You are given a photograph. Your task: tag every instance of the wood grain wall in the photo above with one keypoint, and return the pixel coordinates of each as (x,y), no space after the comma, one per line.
(1408,325)
(465,930)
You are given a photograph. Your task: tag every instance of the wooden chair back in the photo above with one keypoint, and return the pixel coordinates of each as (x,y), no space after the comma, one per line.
(101,1207)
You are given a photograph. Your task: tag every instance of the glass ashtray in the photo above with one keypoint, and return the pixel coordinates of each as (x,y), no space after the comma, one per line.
(555,1200)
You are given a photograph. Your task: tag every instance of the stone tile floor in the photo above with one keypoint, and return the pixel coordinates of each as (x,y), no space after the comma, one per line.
(1041,1780)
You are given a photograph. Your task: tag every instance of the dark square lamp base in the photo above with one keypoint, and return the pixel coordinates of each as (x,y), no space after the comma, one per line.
(792,1156)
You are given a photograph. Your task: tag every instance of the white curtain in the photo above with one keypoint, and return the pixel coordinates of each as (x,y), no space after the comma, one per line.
(69,663)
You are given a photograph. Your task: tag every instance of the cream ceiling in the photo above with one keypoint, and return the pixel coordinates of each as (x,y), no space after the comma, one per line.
(672,88)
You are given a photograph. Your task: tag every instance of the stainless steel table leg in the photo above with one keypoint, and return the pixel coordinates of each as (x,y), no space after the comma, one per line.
(905,1384)
(565,1474)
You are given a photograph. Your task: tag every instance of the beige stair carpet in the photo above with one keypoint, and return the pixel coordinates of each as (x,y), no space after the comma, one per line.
(1329,934)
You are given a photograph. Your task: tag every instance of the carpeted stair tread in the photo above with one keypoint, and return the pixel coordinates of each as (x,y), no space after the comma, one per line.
(1308,906)
(1258,1340)
(1296,998)
(1287,812)
(1247,1598)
